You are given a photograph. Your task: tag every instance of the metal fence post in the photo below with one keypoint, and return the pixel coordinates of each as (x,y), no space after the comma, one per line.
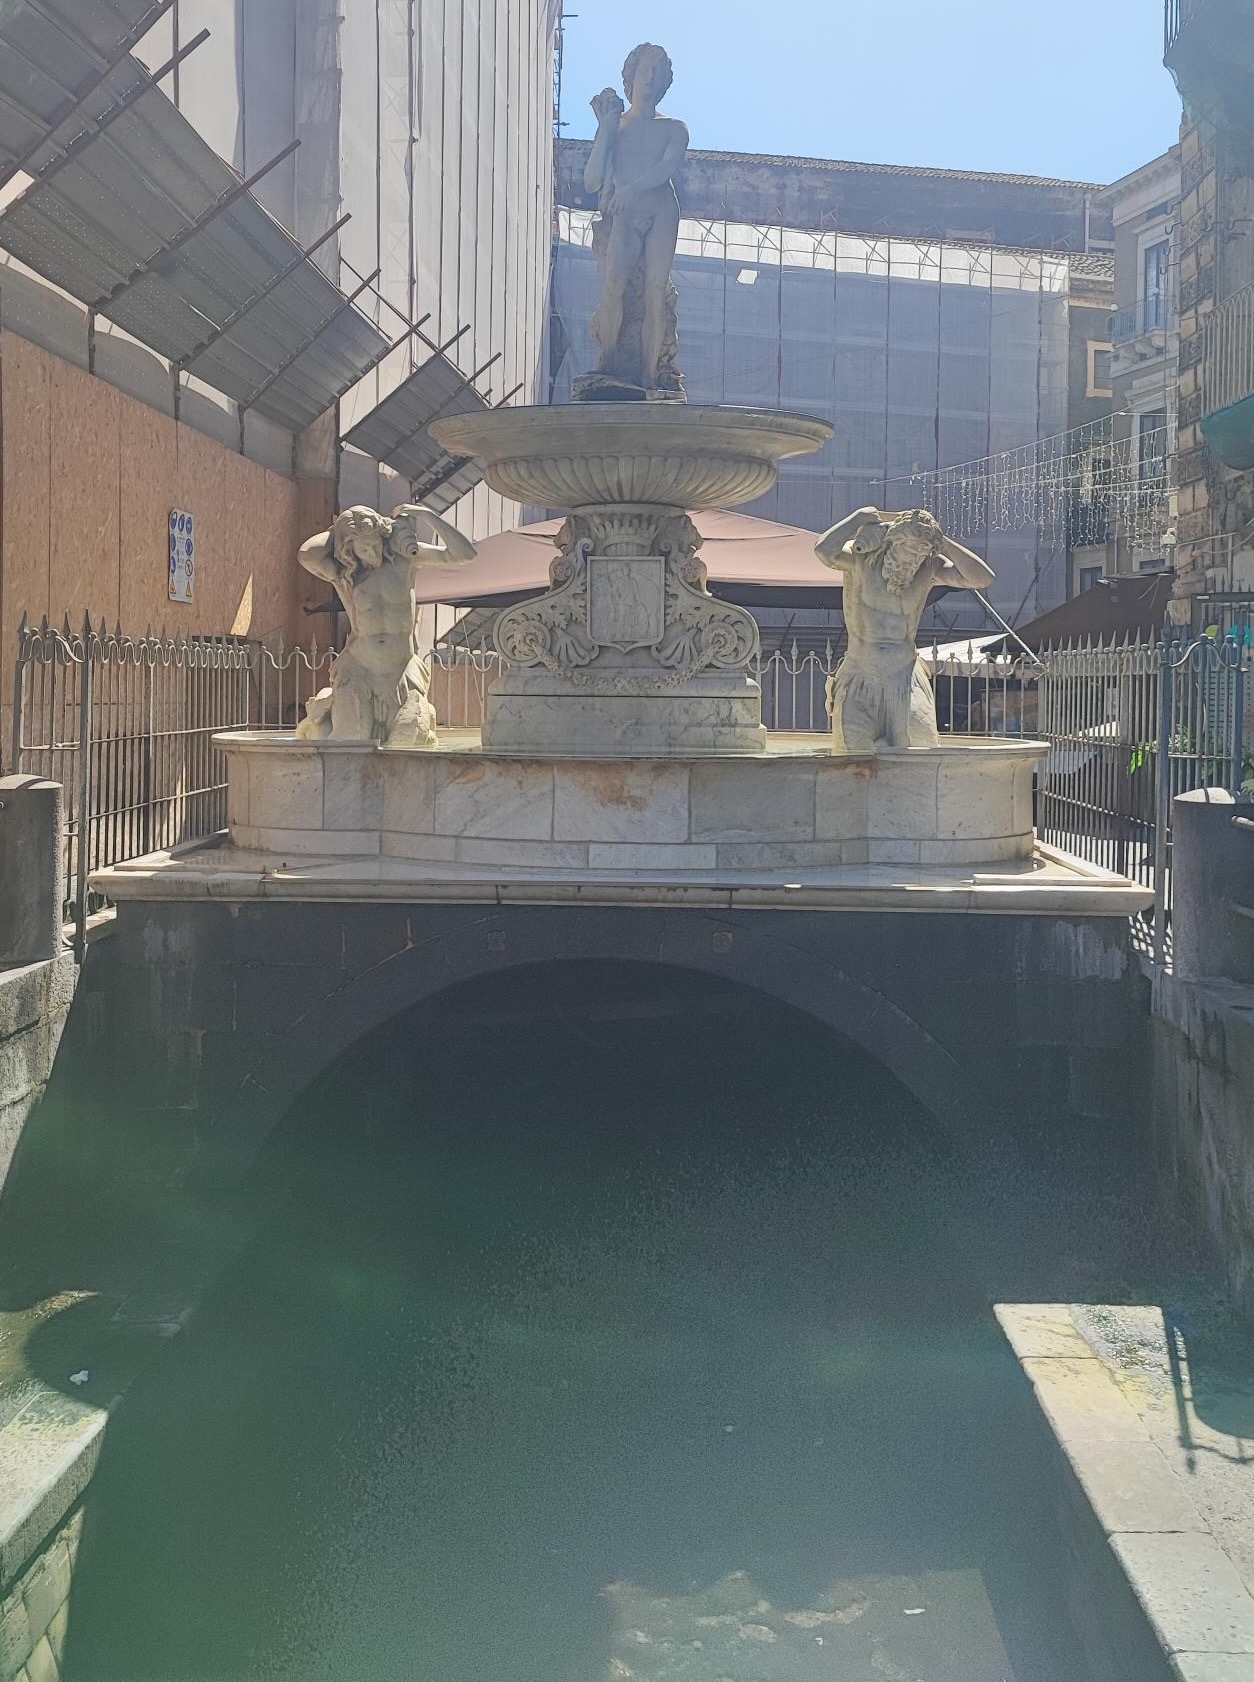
(83,796)
(1238,726)
(1162,803)
(148,768)
(19,692)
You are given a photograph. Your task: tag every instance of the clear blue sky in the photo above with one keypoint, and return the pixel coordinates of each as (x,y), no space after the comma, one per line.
(1072,88)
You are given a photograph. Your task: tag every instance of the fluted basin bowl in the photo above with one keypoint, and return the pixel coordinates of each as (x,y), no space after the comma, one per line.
(675,455)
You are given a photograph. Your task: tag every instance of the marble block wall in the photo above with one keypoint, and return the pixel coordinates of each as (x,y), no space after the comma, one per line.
(954,806)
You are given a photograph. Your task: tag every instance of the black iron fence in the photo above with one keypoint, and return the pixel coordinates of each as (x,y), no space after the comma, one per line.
(126,725)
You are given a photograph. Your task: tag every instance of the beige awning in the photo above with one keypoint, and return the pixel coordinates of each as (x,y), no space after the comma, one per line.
(752,561)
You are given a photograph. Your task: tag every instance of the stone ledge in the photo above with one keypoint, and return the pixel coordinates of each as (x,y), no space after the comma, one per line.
(48,1455)
(32,993)
(1050,885)
(1190,1591)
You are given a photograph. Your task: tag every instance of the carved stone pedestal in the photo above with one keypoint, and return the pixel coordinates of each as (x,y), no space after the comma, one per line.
(529,712)
(628,652)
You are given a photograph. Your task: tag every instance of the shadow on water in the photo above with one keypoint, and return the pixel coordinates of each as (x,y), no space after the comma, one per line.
(605,1329)
(586,1343)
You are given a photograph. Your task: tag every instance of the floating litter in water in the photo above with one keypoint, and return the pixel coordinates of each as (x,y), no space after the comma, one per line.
(729,1427)
(80,1377)
(914,1611)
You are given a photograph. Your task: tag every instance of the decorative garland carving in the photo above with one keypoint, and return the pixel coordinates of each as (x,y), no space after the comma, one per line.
(551,631)
(700,632)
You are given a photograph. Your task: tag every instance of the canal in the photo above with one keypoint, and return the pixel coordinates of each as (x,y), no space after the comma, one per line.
(606,1326)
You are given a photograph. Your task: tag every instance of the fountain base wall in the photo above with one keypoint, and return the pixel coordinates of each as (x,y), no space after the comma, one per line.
(792,808)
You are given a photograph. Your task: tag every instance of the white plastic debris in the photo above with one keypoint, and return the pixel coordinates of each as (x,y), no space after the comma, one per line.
(80,1377)
(914,1611)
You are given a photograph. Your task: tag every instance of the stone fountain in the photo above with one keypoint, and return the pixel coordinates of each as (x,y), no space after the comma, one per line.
(623,742)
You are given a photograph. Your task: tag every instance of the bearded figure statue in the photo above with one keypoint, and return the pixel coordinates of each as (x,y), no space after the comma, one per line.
(880,696)
(380,681)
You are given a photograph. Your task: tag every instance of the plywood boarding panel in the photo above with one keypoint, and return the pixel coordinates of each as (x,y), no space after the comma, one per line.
(246,551)
(25,425)
(84,494)
(149,467)
(294,511)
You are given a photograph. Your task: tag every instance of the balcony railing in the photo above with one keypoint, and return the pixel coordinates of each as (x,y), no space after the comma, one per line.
(1147,315)
(1228,353)
(1177,14)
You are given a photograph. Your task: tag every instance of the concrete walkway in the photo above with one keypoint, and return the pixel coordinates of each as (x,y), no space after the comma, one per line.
(1155,1415)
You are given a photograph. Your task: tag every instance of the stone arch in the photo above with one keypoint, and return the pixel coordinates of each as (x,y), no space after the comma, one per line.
(724,945)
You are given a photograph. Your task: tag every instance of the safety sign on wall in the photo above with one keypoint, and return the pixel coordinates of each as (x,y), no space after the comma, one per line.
(182,555)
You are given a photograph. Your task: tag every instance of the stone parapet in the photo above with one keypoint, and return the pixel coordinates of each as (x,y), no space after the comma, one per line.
(1155,1543)
(965,803)
(35,1608)
(31,870)
(1203,1060)
(34,1002)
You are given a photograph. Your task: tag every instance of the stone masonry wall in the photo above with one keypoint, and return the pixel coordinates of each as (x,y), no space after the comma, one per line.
(198,1026)
(35,1609)
(1203,1059)
(34,1003)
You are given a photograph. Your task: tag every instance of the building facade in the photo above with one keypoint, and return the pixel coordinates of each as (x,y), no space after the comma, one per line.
(933,316)
(1135,532)
(1210,52)
(429,125)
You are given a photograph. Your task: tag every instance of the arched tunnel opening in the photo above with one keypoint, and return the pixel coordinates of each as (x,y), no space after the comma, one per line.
(611,1322)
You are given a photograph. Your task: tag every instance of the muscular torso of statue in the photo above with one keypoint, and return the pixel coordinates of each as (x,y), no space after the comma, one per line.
(877,620)
(381,611)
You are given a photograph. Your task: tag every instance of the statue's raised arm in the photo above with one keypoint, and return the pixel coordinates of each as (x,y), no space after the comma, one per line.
(317,555)
(451,548)
(831,547)
(972,572)
(608,109)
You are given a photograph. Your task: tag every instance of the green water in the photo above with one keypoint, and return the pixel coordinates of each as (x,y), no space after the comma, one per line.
(586,1350)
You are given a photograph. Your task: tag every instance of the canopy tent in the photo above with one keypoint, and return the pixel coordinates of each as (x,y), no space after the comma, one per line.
(988,650)
(750,561)
(1130,607)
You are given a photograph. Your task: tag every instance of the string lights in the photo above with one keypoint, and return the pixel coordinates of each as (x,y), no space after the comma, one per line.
(1076,488)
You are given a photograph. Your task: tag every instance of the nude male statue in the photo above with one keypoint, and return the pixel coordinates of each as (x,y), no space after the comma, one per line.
(379,681)
(880,696)
(634,160)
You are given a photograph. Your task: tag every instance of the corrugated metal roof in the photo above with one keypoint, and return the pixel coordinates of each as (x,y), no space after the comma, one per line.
(140,219)
(448,482)
(55,55)
(395,431)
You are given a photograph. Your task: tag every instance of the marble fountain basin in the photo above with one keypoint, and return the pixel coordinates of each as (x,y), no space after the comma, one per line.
(792,807)
(666,455)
